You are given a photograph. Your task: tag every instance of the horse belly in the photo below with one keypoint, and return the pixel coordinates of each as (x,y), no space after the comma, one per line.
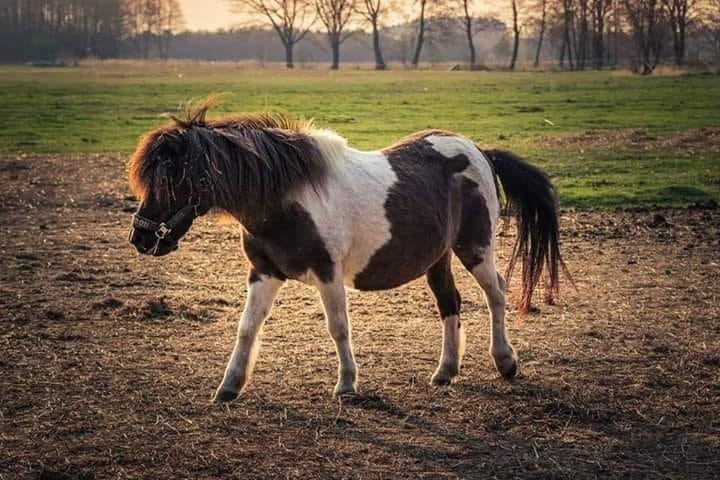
(391,273)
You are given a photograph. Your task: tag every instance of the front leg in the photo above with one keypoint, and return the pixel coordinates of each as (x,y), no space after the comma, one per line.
(262,290)
(333,299)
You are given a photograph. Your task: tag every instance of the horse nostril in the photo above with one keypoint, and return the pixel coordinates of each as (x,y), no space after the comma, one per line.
(138,241)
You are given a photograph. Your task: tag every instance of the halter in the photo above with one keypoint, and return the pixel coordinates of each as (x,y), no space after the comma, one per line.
(162,230)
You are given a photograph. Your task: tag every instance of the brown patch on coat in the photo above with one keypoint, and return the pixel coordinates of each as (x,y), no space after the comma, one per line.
(285,243)
(424,209)
(475,233)
(441,282)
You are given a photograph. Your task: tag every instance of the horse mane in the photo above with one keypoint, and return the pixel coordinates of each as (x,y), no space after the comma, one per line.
(246,161)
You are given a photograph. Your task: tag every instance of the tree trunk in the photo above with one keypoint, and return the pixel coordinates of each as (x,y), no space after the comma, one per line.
(289,55)
(516,31)
(335,45)
(581,52)
(379,61)
(567,37)
(421,35)
(542,34)
(469,33)
(471,43)
(679,43)
(598,45)
(146,45)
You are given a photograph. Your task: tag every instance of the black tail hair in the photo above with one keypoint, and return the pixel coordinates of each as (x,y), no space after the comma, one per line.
(531,197)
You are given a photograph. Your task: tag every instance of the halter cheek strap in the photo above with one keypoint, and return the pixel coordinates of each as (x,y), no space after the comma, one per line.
(162,230)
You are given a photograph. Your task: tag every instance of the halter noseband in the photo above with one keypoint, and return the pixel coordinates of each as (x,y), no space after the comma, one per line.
(162,230)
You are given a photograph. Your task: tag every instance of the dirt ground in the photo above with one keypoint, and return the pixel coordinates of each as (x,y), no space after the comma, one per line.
(108,360)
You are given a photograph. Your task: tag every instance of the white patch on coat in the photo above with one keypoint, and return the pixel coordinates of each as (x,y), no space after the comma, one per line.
(479,170)
(331,145)
(349,212)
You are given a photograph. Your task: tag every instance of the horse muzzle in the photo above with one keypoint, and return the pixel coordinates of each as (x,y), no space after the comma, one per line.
(147,243)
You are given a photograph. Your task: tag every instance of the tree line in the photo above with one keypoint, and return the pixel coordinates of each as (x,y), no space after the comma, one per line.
(48,29)
(586,30)
(574,34)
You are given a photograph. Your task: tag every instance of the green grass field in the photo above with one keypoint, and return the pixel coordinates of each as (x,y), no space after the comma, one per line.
(639,144)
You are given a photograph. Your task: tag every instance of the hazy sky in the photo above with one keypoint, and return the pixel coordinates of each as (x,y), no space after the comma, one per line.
(214,14)
(207,14)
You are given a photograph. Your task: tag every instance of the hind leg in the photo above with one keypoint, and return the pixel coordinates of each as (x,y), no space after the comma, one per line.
(501,350)
(479,261)
(442,285)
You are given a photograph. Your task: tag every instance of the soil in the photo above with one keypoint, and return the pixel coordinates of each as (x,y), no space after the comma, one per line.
(688,141)
(108,359)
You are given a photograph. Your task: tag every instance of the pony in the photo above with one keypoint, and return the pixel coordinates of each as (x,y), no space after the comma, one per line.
(315,210)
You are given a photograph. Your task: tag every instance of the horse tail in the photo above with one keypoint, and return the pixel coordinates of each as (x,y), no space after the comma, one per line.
(530,196)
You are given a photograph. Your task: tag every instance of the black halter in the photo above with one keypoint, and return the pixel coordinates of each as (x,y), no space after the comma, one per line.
(162,230)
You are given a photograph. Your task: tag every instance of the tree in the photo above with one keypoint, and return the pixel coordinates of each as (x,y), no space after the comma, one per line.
(644,18)
(541,34)
(291,20)
(568,16)
(420,34)
(372,9)
(335,15)
(516,34)
(678,19)
(710,27)
(171,20)
(468,20)
(45,29)
(600,10)
(582,37)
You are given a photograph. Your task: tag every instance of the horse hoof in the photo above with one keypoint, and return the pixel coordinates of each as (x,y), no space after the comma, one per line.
(508,373)
(225,396)
(345,390)
(441,379)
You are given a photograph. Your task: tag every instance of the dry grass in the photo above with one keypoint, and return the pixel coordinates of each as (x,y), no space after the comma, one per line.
(109,360)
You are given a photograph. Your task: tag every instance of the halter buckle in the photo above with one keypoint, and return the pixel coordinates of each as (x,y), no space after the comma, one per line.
(162,231)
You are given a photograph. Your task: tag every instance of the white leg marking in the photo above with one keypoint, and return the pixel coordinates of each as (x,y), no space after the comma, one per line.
(334,303)
(240,366)
(453,348)
(501,350)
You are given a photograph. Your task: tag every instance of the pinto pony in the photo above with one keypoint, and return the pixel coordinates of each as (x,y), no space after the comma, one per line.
(315,210)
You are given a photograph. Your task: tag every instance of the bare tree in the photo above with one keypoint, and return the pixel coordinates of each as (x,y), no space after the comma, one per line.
(582,37)
(371,10)
(568,16)
(468,20)
(420,33)
(710,27)
(678,12)
(600,10)
(171,20)
(144,18)
(644,18)
(291,19)
(516,34)
(335,15)
(541,33)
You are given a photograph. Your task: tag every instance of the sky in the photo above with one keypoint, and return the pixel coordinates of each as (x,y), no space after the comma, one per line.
(215,14)
(207,14)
